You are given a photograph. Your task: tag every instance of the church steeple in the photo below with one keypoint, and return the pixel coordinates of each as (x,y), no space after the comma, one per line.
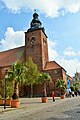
(35,23)
(36,45)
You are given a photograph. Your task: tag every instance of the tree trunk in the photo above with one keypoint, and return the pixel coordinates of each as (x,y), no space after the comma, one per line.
(44,89)
(16,88)
(31,91)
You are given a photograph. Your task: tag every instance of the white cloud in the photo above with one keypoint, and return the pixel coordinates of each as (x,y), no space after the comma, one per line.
(70,65)
(72,5)
(51,48)
(12,39)
(52,8)
(78,52)
(69,52)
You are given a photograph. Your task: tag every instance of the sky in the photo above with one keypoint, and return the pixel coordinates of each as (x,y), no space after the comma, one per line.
(61,20)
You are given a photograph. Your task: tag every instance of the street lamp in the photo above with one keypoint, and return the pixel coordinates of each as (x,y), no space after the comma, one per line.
(6,76)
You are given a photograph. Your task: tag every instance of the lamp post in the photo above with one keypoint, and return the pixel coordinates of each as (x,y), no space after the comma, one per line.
(6,75)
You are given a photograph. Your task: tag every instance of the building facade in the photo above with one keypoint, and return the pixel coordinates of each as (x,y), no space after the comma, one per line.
(36,47)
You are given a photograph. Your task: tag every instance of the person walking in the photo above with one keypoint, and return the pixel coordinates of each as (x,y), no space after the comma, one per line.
(53,95)
(75,93)
(70,93)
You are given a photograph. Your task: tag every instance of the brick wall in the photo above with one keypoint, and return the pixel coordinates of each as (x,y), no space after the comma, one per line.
(38,52)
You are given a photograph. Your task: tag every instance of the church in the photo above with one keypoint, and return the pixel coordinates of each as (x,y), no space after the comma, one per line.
(36,47)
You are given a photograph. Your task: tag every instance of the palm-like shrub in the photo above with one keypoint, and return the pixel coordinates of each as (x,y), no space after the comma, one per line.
(16,75)
(61,85)
(76,85)
(44,78)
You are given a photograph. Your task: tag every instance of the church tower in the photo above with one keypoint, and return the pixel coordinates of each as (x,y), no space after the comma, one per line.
(36,45)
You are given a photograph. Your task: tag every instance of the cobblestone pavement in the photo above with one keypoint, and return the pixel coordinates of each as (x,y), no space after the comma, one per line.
(33,109)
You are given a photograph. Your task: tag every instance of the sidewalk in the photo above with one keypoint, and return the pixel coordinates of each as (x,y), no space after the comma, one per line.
(33,108)
(29,104)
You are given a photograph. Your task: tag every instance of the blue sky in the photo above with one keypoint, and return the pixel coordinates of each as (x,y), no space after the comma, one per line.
(61,20)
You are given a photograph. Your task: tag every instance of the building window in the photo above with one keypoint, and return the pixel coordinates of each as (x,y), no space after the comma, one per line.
(32,41)
(44,42)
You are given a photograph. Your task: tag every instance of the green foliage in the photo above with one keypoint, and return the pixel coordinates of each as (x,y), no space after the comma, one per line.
(9,89)
(31,72)
(72,88)
(76,85)
(60,84)
(16,75)
(8,86)
(44,77)
(2,88)
(0,97)
(76,88)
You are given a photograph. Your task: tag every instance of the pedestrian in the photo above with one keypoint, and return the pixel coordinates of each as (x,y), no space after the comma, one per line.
(75,93)
(70,92)
(53,95)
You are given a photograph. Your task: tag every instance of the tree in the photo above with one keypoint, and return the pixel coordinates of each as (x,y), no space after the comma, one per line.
(76,85)
(2,88)
(16,74)
(31,73)
(60,84)
(44,78)
(9,89)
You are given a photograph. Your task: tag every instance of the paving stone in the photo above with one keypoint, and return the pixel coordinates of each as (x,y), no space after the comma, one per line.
(33,109)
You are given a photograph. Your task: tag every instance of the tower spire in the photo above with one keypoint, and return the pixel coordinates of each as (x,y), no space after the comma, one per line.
(35,23)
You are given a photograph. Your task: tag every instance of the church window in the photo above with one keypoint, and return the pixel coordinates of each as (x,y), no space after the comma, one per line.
(44,42)
(32,41)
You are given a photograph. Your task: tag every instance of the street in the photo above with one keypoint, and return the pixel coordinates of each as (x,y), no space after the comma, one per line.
(64,109)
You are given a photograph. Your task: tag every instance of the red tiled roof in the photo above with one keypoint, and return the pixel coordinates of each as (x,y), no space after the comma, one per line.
(10,56)
(52,65)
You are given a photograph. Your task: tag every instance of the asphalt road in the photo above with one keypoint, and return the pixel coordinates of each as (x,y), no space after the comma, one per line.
(67,109)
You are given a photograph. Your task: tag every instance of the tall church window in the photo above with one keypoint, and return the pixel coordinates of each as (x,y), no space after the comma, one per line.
(44,42)
(32,41)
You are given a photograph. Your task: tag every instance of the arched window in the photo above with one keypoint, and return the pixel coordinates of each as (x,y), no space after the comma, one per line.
(44,42)
(32,41)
